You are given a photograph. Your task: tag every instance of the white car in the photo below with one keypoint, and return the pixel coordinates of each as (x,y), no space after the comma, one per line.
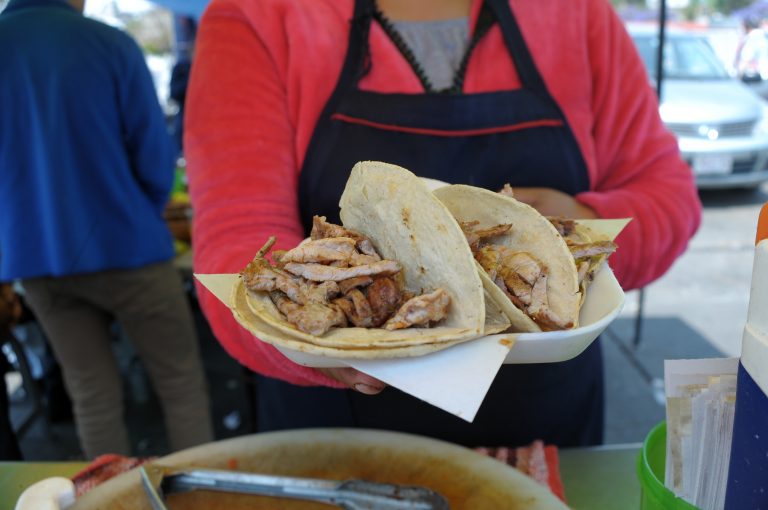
(720,123)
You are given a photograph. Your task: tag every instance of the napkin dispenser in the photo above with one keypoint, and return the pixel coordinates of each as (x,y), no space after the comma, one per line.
(748,471)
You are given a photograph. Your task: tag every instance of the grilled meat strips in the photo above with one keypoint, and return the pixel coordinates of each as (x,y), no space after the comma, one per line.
(421,310)
(520,275)
(337,278)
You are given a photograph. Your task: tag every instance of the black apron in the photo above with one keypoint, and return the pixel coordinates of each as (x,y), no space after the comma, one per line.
(519,137)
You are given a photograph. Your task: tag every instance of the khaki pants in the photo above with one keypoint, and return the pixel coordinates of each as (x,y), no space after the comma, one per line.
(76,313)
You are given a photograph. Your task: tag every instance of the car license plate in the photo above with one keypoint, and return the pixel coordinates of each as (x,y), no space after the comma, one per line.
(712,164)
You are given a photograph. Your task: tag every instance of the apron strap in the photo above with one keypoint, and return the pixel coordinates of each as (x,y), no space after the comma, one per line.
(357,62)
(484,22)
(529,74)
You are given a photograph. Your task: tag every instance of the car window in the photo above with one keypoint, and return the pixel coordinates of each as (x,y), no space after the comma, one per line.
(690,58)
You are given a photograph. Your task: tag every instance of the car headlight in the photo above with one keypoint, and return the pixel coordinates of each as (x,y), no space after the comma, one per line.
(761,128)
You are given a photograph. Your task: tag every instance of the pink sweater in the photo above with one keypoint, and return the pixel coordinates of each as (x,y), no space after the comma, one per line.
(265,68)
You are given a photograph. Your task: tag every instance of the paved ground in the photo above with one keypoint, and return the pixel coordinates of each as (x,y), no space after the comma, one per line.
(697,309)
(708,287)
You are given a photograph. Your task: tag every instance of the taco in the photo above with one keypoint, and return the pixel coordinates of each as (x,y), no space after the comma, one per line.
(396,275)
(525,264)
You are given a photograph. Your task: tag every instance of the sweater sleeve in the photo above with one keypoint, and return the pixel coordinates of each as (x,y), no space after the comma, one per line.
(242,172)
(639,173)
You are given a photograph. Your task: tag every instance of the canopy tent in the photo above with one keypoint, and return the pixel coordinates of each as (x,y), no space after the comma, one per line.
(756,10)
(193,8)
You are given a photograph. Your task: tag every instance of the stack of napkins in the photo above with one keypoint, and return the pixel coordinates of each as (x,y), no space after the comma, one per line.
(701,399)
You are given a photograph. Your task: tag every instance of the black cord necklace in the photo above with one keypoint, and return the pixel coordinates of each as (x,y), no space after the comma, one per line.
(484,24)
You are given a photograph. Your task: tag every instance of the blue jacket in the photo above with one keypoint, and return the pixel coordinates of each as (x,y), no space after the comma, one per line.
(86,162)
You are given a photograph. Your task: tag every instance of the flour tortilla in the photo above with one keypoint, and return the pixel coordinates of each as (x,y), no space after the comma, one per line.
(531,232)
(406,223)
(496,320)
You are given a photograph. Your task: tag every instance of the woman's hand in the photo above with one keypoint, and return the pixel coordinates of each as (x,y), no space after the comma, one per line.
(355,379)
(551,202)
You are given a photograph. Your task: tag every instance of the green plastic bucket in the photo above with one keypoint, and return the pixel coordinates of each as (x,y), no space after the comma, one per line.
(650,471)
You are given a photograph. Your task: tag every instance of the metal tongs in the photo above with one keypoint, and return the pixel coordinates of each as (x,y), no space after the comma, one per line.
(349,494)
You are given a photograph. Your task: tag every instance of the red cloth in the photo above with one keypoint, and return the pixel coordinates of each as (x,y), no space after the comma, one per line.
(102,469)
(264,70)
(538,461)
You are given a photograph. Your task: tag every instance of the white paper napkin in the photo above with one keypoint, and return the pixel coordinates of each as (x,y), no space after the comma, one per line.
(454,379)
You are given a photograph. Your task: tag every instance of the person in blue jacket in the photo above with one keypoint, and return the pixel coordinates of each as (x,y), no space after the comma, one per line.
(86,166)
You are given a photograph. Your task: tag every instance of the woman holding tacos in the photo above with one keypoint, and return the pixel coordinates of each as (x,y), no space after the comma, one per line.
(286,96)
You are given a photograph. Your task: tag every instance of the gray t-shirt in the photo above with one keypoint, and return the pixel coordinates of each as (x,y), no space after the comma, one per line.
(437,45)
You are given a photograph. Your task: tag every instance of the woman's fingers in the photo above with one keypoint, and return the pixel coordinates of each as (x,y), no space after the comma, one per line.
(355,379)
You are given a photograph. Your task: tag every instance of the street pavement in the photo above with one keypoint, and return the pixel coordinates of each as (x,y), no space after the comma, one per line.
(696,310)
(708,286)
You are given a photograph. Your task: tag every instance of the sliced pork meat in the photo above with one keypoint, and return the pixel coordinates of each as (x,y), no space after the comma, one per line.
(539,309)
(322,229)
(516,285)
(584,250)
(421,310)
(337,278)
(565,227)
(476,236)
(313,318)
(522,263)
(490,258)
(361,259)
(468,227)
(496,230)
(384,297)
(321,293)
(259,275)
(322,273)
(358,281)
(359,313)
(321,250)
(365,246)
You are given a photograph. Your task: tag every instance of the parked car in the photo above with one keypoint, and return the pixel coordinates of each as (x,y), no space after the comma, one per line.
(720,123)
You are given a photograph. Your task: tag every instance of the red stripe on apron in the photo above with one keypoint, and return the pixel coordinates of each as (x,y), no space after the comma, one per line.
(445,132)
